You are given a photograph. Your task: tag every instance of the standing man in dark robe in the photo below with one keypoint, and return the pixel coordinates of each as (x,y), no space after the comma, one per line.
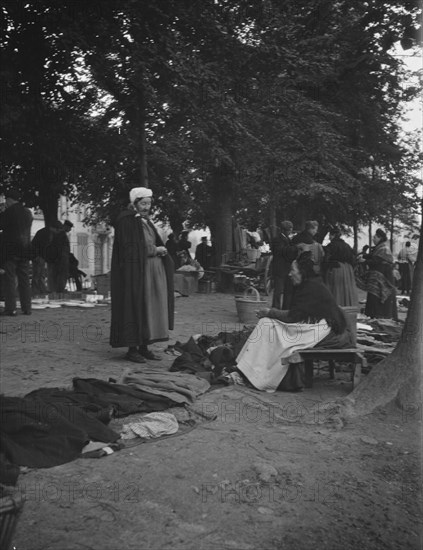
(141,281)
(75,273)
(172,248)
(405,268)
(203,253)
(184,244)
(284,253)
(57,257)
(40,244)
(16,222)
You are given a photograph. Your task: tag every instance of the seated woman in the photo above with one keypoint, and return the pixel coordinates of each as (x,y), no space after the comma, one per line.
(186,263)
(313,318)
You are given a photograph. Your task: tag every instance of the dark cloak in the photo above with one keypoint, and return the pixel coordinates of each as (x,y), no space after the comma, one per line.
(338,251)
(129,258)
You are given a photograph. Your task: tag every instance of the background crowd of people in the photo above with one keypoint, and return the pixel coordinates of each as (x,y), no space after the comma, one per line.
(343,272)
(39,266)
(180,251)
(374,270)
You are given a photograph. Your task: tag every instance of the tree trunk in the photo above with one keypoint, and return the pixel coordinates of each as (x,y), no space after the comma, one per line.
(48,203)
(223,221)
(176,222)
(398,377)
(143,154)
(355,229)
(300,217)
(141,136)
(272,221)
(391,240)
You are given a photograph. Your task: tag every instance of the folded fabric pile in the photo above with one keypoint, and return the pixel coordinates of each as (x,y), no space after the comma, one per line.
(51,426)
(151,425)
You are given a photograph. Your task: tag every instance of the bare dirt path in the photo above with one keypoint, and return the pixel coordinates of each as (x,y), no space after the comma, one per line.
(273,471)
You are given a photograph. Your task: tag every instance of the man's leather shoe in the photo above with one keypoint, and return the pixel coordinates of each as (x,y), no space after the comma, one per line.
(9,313)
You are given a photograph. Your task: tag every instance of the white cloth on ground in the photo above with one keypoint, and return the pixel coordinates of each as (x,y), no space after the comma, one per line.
(151,425)
(264,359)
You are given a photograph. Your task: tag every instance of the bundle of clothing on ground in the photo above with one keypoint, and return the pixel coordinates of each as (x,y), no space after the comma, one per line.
(211,357)
(51,426)
(217,359)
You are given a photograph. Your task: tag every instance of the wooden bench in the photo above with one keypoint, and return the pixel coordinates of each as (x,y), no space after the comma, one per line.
(349,355)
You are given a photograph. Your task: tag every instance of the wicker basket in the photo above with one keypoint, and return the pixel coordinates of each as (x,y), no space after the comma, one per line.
(247,306)
(10,509)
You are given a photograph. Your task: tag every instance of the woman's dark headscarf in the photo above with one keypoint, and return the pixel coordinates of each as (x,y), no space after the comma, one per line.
(335,232)
(313,301)
(381,234)
(306,266)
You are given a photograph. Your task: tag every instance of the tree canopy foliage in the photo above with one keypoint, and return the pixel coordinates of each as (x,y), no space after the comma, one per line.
(254,109)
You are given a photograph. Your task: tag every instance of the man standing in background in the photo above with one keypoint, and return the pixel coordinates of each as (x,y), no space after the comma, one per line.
(203,253)
(16,221)
(283,255)
(59,267)
(405,267)
(40,244)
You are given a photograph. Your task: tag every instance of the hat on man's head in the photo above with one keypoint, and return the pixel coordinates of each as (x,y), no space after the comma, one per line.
(138,193)
(12,194)
(68,223)
(287,225)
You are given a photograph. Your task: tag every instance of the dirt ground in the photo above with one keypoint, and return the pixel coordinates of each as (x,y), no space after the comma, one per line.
(259,477)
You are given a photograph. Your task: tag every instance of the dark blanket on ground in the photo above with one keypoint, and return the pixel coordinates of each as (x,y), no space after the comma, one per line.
(50,426)
(40,434)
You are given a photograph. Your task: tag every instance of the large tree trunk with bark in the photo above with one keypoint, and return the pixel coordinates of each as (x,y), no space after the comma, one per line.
(398,377)
(273,226)
(143,154)
(355,229)
(176,222)
(48,202)
(223,222)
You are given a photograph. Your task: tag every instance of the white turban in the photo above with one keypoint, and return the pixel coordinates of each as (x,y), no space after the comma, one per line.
(139,193)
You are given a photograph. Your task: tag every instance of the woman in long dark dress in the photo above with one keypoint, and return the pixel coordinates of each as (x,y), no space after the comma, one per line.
(380,284)
(339,270)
